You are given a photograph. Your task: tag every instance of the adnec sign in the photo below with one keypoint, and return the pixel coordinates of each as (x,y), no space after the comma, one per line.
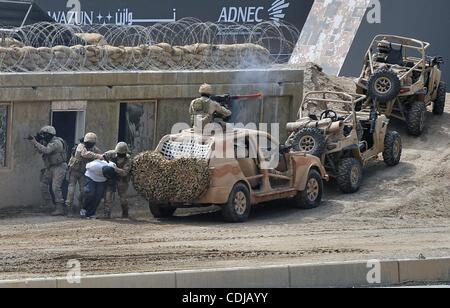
(138,12)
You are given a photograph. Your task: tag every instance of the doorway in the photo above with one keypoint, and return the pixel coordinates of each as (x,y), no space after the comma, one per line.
(69,126)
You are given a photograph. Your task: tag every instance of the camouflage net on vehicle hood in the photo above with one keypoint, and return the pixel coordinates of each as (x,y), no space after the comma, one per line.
(160,180)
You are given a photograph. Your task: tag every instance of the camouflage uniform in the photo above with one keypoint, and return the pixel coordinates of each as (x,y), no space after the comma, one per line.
(54,156)
(121,184)
(77,169)
(202,110)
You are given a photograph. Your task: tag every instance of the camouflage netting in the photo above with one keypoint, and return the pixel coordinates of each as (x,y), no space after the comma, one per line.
(160,180)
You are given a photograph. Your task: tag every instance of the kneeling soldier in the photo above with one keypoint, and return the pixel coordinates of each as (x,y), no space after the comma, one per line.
(121,157)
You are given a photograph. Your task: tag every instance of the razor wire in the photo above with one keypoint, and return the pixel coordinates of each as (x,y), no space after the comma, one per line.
(187,44)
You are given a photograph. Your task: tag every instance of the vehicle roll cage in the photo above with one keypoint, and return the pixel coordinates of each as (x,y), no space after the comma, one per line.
(347,99)
(399,41)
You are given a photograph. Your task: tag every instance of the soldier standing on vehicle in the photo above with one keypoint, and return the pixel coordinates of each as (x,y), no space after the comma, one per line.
(84,153)
(122,158)
(202,109)
(54,154)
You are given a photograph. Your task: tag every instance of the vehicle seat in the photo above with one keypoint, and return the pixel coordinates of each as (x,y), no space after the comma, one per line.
(395,56)
(283,163)
(249,168)
(367,136)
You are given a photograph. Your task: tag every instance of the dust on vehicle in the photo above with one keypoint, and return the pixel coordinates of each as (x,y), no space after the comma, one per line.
(345,134)
(403,80)
(258,170)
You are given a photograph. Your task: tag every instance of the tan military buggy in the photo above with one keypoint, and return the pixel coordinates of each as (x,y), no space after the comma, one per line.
(403,80)
(250,169)
(345,139)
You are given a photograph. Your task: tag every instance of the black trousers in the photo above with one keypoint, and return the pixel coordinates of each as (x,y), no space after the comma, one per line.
(94,192)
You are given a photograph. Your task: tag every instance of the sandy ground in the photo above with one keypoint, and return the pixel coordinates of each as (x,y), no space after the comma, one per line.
(400,212)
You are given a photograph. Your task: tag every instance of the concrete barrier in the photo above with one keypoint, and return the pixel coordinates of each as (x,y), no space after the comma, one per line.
(145,280)
(347,274)
(437,270)
(262,277)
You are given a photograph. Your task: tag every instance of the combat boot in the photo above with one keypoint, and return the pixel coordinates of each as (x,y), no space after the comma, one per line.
(107,215)
(69,210)
(59,210)
(47,206)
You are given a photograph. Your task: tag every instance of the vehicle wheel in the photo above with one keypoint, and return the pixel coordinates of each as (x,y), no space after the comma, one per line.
(384,85)
(162,210)
(311,197)
(238,207)
(309,140)
(349,176)
(439,104)
(392,148)
(416,118)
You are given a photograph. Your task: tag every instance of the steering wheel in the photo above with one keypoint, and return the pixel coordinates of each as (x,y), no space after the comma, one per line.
(329,114)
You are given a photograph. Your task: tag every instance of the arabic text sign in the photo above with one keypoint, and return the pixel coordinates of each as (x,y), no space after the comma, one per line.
(137,12)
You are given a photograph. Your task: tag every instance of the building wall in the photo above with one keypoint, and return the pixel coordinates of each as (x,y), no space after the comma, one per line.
(102,117)
(168,93)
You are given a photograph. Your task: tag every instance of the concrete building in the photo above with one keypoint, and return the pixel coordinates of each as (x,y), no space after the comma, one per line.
(137,107)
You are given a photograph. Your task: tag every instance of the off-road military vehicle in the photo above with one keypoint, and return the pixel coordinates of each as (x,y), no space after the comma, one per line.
(346,140)
(247,168)
(402,80)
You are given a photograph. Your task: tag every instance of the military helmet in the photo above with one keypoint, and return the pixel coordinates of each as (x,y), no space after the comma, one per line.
(122,148)
(49,130)
(90,137)
(384,46)
(205,89)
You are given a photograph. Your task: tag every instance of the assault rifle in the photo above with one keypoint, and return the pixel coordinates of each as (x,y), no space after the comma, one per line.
(227,100)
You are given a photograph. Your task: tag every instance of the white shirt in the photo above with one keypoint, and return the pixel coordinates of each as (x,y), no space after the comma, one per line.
(94,170)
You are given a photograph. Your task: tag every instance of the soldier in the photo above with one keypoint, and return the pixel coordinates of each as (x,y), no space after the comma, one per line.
(85,153)
(202,109)
(121,157)
(384,48)
(54,155)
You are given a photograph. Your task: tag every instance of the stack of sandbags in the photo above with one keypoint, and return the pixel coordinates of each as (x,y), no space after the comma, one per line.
(10,42)
(92,38)
(143,57)
(160,180)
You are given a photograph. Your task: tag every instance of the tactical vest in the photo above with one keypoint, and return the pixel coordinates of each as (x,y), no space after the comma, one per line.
(120,163)
(59,156)
(199,106)
(78,163)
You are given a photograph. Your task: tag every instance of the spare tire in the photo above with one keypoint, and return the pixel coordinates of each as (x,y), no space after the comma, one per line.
(309,140)
(384,85)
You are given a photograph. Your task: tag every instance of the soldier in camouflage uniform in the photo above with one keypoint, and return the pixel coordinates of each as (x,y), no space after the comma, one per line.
(202,109)
(85,153)
(121,157)
(54,154)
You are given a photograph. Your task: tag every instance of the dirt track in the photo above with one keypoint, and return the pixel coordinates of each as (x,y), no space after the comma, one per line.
(400,212)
